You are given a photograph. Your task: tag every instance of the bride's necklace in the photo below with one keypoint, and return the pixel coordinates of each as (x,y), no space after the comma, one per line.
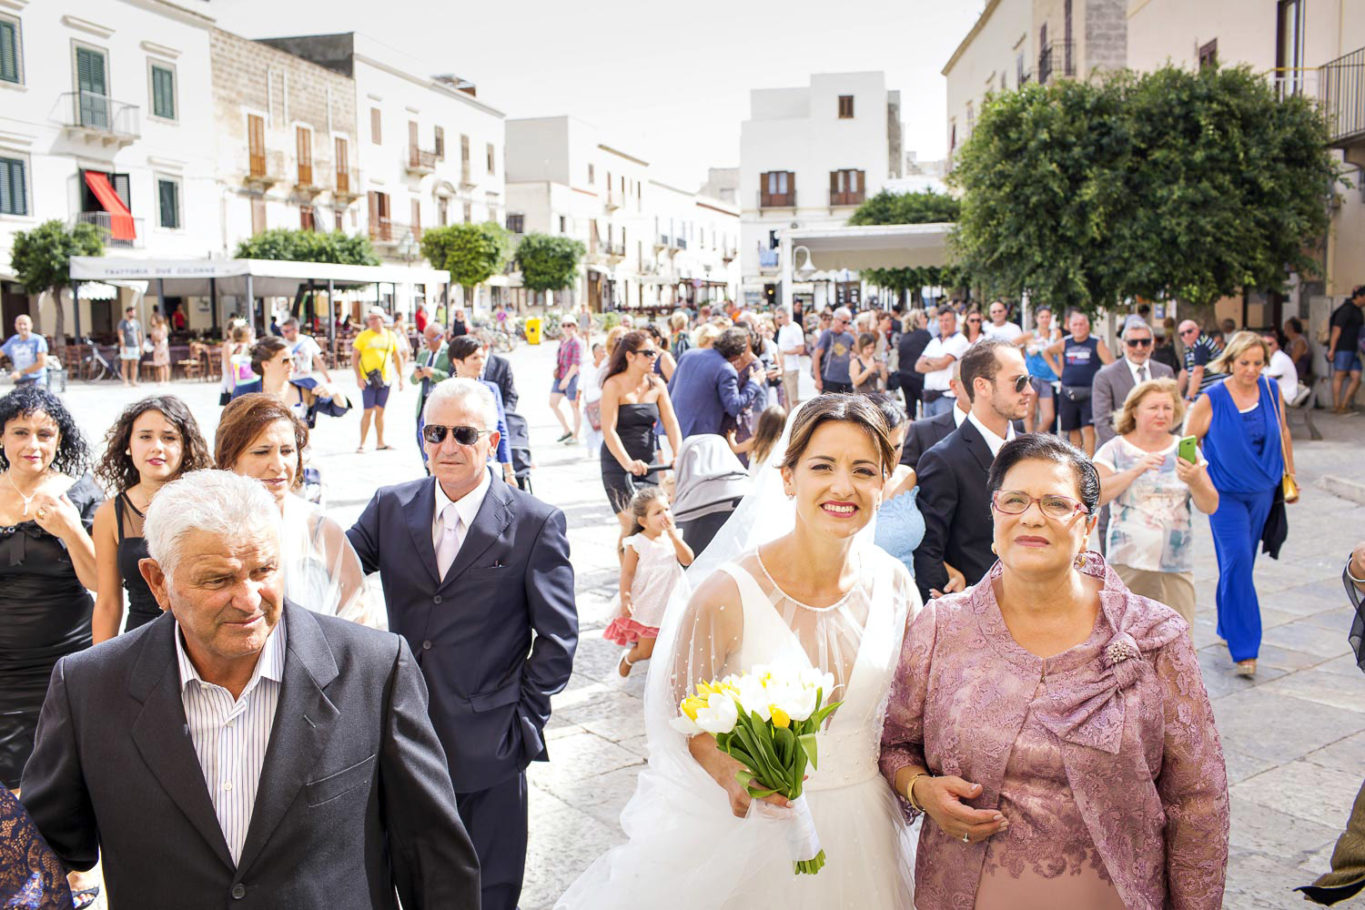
(28,500)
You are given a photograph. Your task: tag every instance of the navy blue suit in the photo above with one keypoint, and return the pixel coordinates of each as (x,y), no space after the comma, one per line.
(705,387)
(494,638)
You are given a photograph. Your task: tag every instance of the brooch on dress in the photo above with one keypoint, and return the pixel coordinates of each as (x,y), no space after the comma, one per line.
(1120,651)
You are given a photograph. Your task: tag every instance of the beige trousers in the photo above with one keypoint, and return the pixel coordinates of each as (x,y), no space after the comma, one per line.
(791,381)
(1174,589)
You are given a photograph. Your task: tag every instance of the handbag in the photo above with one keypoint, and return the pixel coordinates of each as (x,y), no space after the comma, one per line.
(594,414)
(1291,489)
(1076,393)
(374,379)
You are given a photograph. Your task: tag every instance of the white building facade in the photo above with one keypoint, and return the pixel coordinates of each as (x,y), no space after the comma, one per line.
(104,120)
(809,156)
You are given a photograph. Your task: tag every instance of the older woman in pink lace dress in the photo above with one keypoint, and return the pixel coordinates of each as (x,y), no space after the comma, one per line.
(1053,725)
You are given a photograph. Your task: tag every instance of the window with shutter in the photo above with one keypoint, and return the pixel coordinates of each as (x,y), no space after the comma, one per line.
(492,160)
(255,141)
(163,92)
(416,206)
(375,118)
(13,187)
(845,107)
(92,88)
(303,139)
(168,197)
(343,167)
(307,218)
(440,144)
(9,51)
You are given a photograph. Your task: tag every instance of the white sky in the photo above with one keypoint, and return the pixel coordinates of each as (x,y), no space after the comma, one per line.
(666,81)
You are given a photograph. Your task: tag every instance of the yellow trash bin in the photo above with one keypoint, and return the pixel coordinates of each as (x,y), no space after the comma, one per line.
(533,330)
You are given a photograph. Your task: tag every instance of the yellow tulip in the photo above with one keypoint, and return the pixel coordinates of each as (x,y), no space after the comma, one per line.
(780,718)
(690,706)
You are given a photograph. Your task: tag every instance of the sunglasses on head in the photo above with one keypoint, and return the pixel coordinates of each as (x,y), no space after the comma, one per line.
(435,434)
(1139,342)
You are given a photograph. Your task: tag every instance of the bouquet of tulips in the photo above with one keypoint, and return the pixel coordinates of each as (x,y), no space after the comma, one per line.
(767,720)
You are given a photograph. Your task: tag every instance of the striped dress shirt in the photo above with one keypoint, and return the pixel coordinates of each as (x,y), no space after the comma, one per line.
(230,736)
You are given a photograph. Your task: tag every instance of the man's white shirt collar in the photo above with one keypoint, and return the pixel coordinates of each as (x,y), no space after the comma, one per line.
(467,505)
(992,440)
(1133,368)
(269,665)
(959,415)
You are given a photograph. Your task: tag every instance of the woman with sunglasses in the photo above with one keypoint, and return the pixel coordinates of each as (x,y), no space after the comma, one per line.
(634,400)
(971,327)
(272,360)
(1053,725)
(259,436)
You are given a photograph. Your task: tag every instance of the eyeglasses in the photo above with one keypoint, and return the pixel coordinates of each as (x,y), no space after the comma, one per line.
(1139,342)
(651,353)
(435,434)
(1020,383)
(976,319)
(1017,502)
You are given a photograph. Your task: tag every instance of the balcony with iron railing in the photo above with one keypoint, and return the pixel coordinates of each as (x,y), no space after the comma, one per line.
(391,233)
(99,118)
(421,161)
(768,200)
(1342,90)
(347,185)
(104,222)
(1056,59)
(612,249)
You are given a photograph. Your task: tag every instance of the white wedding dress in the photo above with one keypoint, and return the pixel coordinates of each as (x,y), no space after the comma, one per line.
(686,849)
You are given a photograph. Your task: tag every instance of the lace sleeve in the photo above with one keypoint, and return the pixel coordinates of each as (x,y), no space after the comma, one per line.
(709,632)
(1192,785)
(903,730)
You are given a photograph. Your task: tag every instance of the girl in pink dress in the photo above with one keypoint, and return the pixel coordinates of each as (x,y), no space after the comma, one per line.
(1053,725)
(651,576)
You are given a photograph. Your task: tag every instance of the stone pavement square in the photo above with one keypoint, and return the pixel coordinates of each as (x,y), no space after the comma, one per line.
(1294,737)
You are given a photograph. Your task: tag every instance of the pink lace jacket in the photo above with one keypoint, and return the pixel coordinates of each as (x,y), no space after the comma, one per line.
(1132,719)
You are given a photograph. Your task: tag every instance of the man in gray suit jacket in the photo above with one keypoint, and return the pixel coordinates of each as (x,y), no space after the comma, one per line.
(241,751)
(477,579)
(1114,381)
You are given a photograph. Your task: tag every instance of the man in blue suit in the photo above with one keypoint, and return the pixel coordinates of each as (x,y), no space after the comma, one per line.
(477,578)
(705,385)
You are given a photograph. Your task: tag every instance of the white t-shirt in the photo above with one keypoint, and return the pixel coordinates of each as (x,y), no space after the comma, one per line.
(1007,332)
(1281,369)
(304,350)
(788,337)
(957,345)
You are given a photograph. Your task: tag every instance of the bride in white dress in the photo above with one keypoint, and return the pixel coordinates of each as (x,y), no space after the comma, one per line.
(807,587)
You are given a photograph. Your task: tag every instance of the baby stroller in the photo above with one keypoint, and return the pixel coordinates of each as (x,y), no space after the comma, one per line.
(519,442)
(709,483)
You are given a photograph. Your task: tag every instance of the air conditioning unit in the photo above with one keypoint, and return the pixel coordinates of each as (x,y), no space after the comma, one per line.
(795,225)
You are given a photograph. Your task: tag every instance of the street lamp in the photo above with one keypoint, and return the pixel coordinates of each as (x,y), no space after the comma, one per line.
(806,271)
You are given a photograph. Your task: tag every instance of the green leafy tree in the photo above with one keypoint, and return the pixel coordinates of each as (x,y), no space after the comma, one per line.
(1173,183)
(41,259)
(472,253)
(548,262)
(308,246)
(925,207)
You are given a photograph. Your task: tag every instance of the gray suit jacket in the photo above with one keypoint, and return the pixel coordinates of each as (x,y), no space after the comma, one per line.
(1111,386)
(355,808)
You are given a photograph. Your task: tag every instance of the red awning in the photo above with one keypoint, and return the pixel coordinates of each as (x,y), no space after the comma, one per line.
(120,219)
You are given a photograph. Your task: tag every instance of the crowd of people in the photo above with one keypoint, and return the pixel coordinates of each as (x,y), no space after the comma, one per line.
(982,532)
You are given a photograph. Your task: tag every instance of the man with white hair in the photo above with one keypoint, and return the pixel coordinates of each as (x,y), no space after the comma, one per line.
(477,579)
(240,749)
(1114,381)
(832,354)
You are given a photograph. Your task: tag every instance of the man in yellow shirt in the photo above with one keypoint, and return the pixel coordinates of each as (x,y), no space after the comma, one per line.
(378,361)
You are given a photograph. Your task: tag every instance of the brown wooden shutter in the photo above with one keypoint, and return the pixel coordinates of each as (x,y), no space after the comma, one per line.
(791,188)
(376,136)
(343,171)
(416,218)
(373,199)
(303,139)
(255,138)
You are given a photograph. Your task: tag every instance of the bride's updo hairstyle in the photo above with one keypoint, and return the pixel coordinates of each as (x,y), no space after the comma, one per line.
(854,409)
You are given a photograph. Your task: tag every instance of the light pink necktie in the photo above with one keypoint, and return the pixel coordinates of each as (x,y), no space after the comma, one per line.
(450,539)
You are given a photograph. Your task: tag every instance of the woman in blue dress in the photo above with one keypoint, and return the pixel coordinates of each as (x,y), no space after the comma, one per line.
(900,526)
(1246,441)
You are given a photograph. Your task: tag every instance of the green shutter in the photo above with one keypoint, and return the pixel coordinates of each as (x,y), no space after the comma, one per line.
(163,93)
(9,51)
(13,188)
(168,191)
(94,105)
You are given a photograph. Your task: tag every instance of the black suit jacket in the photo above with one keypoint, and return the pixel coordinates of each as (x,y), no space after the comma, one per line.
(354,800)
(924,434)
(498,371)
(956,508)
(495,638)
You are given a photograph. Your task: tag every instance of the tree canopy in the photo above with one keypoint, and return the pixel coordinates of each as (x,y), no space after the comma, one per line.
(548,262)
(1172,183)
(308,246)
(472,253)
(41,259)
(924,207)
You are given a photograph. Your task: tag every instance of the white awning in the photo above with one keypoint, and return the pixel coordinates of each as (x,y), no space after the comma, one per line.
(879,246)
(269,278)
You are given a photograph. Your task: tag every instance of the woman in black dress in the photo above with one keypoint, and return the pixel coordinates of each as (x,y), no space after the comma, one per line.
(634,398)
(47,560)
(153,442)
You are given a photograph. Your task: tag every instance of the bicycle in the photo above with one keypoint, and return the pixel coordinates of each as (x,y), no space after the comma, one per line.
(93,367)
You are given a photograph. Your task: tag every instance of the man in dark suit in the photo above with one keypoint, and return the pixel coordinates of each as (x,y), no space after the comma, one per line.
(241,751)
(477,577)
(498,370)
(705,385)
(924,434)
(952,475)
(1115,380)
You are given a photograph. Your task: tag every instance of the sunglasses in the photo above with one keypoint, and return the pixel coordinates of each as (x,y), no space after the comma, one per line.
(435,434)
(976,320)
(1020,383)
(651,353)
(1139,343)
(1189,331)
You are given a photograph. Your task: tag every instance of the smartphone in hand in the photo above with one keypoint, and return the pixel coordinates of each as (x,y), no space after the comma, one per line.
(1188,449)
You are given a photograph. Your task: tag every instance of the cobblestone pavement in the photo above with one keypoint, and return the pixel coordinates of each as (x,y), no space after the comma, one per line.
(1294,737)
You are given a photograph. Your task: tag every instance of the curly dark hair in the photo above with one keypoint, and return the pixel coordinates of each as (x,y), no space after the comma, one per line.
(73,455)
(116,469)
